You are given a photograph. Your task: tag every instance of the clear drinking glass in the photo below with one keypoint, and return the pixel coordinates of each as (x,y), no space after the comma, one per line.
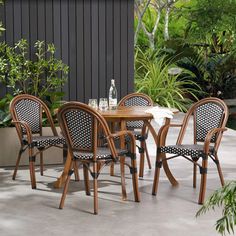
(103,104)
(93,103)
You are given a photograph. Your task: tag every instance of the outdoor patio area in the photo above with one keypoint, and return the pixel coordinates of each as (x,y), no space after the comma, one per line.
(172,212)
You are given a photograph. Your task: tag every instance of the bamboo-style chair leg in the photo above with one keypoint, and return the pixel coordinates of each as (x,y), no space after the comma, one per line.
(203,182)
(32,173)
(147,156)
(141,165)
(194,175)
(63,197)
(76,171)
(122,174)
(219,170)
(95,187)
(112,169)
(86,180)
(135,180)
(17,164)
(41,163)
(157,173)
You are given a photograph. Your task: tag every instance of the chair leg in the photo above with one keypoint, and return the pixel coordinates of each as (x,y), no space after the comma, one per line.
(219,170)
(63,197)
(86,180)
(157,174)
(76,171)
(95,187)
(135,180)
(32,171)
(147,156)
(203,182)
(122,174)
(141,165)
(194,175)
(41,163)
(112,169)
(17,164)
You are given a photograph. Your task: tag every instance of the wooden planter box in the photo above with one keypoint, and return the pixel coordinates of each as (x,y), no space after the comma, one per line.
(9,147)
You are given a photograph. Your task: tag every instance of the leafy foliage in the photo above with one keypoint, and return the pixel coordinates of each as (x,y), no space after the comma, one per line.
(153,78)
(224,197)
(43,77)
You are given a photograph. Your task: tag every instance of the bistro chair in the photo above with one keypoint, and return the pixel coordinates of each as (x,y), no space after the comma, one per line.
(27,112)
(79,124)
(140,132)
(209,119)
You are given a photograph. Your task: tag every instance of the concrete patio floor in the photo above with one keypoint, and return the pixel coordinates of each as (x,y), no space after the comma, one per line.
(24,211)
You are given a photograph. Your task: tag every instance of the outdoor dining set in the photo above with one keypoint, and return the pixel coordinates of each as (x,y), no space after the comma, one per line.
(94,139)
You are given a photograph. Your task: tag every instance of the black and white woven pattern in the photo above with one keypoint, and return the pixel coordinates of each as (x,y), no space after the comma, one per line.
(80,128)
(29,112)
(102,153)
(194,150)
(44,141)
(208,116)
(136,101)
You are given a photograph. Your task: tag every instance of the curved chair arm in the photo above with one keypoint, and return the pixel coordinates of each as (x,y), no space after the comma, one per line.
(209,137)
(123,133)
(163,132)
(27,128)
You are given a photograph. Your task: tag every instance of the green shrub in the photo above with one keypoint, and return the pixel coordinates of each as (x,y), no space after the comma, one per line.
(42,77)
(152,77)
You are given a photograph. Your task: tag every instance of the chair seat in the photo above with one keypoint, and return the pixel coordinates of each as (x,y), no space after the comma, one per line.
(44,141)
(194,150)
(137,134)
(102,153)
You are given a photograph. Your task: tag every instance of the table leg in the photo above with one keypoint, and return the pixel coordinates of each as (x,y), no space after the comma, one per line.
(166,168)
(122,161)
(62,179)
(112,167)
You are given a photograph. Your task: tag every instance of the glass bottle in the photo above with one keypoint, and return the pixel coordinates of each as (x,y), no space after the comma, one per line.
(112,96)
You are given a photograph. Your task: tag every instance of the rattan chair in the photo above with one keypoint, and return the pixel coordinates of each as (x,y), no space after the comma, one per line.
(209,119)
(79,124)
(140,132)
(27,111)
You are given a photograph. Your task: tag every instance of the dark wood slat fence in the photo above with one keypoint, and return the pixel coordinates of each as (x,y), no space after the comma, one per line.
(94,37)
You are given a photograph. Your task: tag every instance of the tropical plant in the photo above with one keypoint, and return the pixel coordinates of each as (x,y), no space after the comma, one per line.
(152,76)
(224,198)
(1,25)
(5,116)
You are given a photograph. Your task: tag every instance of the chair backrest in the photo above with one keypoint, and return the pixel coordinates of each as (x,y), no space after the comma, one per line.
(79,124)
(29,109)
(208,113)
(135,99)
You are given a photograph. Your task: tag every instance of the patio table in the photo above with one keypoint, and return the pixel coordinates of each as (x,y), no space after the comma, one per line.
(122,115)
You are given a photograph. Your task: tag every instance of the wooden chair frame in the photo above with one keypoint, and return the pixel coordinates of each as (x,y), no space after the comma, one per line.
(160,157)
(97,164)
(144,132)
(29,135)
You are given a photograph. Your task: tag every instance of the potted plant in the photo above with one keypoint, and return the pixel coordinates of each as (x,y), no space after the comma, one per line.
(43,76)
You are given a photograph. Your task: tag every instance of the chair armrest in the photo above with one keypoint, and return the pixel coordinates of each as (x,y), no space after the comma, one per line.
(123,133)
(27,128)
(209,137)
(163,131)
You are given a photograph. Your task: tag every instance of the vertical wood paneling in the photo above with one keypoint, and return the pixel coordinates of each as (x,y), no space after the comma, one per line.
(17,20)
(130,43)
(102,48)
(65,41)
(87,51)
(33,27)
(80,49)
(94,37)
(72,51)
(124,47)
(117,47)
(109,44)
